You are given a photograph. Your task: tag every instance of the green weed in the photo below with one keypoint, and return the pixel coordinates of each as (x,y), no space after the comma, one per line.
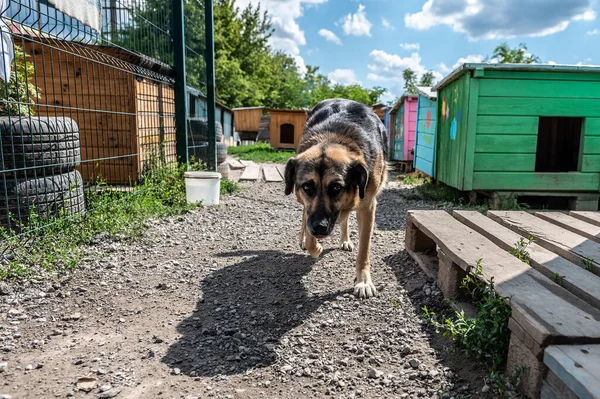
(587,264)
(520,250)
(261,152)
(228,187)
(415,179)
(486,336)
(557,278)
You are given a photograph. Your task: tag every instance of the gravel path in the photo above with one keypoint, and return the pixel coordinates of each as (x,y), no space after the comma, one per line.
(222,303)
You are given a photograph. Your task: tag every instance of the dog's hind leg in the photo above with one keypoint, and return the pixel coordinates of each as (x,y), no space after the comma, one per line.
(363,287)
(346,243)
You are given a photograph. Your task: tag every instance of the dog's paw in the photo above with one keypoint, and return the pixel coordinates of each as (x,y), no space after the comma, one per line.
(347,246)
(365,289)
(316,251)
(302,246)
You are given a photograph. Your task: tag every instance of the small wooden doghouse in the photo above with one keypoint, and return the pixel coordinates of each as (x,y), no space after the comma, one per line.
(379,110)
(125,120)
(507,127)
(247,122)
(404,123)
(286,127)
(425,139)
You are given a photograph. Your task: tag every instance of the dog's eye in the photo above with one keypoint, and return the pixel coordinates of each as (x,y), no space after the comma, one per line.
(335,188)
(308,188)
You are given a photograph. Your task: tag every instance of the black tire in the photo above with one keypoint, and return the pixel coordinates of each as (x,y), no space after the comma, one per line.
(39,146)
(198,152)
(221,152)
(47,197)
(198,130)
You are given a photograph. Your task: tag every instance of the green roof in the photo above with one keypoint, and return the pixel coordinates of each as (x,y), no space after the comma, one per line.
(515,67)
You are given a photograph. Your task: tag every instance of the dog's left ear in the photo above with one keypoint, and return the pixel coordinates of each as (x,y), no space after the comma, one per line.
(359,175)
(290,175)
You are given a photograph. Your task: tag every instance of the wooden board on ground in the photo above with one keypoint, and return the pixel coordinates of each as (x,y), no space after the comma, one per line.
(573,278)
(281,169)
(546,311)
(235,164)
(252,172)
(565,243)
(589,217)
(573,224)
(271,174)
(576,366)
(246,163)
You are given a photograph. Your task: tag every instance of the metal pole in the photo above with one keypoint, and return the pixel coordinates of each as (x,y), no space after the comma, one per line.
(180,83)
(210,84)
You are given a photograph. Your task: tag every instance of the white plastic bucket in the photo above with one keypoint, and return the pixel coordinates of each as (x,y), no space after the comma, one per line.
(202,186)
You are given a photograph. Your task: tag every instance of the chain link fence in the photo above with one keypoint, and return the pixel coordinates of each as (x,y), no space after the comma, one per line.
(89,106)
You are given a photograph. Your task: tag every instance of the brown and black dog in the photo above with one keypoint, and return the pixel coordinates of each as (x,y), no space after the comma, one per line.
(340,167)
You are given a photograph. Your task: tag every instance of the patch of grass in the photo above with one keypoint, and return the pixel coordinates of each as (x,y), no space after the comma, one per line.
(439,192)
(511,203)
(485,336)
(229,187)
(415,179)
(520,250)
(261,152)
(59,244)
(587,264)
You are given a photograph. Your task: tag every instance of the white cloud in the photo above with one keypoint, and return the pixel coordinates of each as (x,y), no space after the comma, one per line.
(593,32)
(357,24)
(387,24)
(388,68)
(343,76)
(473,58)
(330,36)
(287,35)
(483,19)
(410,46)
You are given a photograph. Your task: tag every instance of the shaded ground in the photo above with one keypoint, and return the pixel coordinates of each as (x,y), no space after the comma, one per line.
(222,303)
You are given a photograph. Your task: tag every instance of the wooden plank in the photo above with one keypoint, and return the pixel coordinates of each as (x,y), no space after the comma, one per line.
(427,261)
(520,125)
(514,181)
(591,144)
(504,162)
(563,242)
(573,224)
(505,144)
(589,217)
(548,312)
(252,172)
(539,88)
(245,163)
(235,164)
(575,279)
(590,163)
(592,126)
(539,106)
(281,169)
(577,367)
(271,174)
(554,388)
(537,75)
(471,130)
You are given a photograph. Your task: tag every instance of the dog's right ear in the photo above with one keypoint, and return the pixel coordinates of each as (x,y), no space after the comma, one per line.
(290,175)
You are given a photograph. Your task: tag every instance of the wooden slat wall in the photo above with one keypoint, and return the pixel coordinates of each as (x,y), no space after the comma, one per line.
(509,107)
(247,120)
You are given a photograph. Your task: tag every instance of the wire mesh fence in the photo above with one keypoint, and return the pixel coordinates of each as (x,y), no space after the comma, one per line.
(86,108)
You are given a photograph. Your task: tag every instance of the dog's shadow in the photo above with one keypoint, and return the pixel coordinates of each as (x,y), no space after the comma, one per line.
(244,311)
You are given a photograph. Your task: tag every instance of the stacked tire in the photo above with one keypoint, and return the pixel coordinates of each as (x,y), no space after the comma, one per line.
(38,159)
(198,143)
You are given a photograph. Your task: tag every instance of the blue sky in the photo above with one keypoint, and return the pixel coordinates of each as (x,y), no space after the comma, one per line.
(373,41)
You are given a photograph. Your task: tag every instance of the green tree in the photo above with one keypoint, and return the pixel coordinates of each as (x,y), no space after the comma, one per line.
(518,55)
(410,81)
(427,79)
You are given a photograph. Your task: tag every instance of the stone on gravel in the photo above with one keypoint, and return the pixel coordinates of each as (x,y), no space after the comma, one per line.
(3,366)
(373,373)
(414,363)
(86,384)
(111,393)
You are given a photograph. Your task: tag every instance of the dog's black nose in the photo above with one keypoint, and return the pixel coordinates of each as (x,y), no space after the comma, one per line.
(321,227)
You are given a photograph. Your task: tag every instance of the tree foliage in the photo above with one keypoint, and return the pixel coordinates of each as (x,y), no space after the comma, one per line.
(504,54)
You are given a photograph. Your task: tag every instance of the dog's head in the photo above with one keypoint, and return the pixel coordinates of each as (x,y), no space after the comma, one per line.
(327,178)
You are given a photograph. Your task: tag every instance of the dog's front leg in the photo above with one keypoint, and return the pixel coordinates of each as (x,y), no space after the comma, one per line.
(346,243)
(303,230)
(312,245)
(365,217)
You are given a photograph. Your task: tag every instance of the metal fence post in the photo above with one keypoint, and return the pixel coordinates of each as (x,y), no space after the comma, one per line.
(210,83)
(180,81)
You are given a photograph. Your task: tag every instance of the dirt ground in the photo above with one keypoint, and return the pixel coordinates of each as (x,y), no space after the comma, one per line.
(222,303)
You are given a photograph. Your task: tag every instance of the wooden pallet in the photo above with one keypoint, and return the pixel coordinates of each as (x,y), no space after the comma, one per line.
(576,201)
(554,301)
